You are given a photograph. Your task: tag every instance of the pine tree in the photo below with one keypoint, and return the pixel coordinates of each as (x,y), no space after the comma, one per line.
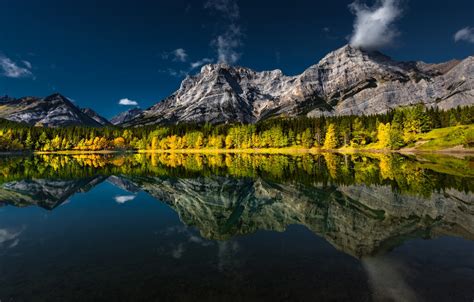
(307,138)
(29,141)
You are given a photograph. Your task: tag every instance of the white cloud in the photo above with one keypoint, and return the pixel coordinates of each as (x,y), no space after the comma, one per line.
(127,102)
(201,62)
(373,26)
(175,73)
(466,34)
(11,69)
(27,64)
(180,73)
(124,198)
(230,40)
(227,43)
(229,8)
(180,55)
(177,55)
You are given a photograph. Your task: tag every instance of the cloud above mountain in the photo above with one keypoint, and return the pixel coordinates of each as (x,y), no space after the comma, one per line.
(180,55)
(226,41)
(229,40)
(177,55)
(127,102)
(466,34)
(374,26)
(228,8)
(201,62)
(11,69)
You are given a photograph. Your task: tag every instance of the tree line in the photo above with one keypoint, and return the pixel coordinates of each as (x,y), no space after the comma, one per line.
(392,130)
(402,173)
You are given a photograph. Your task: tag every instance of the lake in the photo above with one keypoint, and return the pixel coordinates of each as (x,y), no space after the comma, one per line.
(236,227)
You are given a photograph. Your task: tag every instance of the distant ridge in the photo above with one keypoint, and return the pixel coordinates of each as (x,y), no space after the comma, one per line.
(53,111)
(346,81)
(96,117)
(125,116)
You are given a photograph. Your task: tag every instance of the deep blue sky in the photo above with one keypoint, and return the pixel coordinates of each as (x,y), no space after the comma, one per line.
(99,53)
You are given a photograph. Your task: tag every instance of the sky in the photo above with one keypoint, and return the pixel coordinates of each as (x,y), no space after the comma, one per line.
(114,55)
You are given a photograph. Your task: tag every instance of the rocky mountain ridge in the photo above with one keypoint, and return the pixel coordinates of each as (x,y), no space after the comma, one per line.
(125,116)
(52,111)
(346,81)
(96,117)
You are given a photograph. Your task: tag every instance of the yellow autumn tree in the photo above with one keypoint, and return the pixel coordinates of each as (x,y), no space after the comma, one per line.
(330,141)
(199,141)
(228,141)
(119,142)
(383,135)
(154,143)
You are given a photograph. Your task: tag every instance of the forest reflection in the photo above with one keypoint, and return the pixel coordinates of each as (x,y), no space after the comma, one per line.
(363,204)
(419,175)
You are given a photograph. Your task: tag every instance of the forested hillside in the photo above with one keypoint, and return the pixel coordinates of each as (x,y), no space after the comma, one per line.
(393,130)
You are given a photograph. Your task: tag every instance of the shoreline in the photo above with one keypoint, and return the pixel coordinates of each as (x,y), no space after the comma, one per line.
(283,151)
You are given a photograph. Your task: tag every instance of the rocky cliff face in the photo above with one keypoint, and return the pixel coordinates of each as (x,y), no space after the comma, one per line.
(125,116)
(346,81)
(96,117)
(52,111)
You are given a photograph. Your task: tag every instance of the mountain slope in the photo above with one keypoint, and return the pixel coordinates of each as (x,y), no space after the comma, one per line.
(95,116)
(125,116)
(52,111)
(346,81)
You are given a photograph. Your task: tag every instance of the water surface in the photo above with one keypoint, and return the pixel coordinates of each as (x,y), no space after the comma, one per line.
(236,228)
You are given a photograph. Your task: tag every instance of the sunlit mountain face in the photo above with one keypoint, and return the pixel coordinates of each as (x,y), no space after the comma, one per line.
(301,222)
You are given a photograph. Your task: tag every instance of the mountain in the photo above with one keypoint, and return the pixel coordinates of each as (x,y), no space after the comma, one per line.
(52,111)
(46,193)
(126,116)
(346,81)
(359,220)
(95,116)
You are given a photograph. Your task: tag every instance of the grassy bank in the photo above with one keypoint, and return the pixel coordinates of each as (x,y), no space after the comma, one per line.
(446,139)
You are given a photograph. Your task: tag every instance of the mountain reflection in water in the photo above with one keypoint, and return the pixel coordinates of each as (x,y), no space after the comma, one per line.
(363,205)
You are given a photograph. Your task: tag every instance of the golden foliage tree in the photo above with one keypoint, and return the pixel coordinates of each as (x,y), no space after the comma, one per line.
(383,135)
(330,141)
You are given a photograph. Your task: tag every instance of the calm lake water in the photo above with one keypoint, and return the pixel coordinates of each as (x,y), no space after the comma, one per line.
(173,227)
